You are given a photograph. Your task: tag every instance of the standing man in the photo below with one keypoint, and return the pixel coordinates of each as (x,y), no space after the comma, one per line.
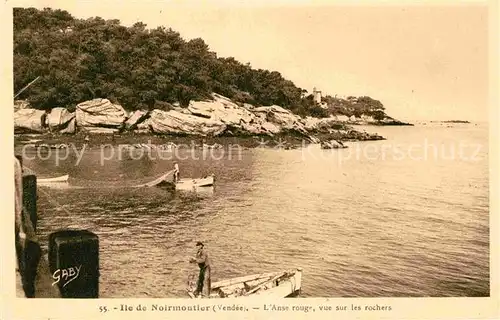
(176,172)
(204,264)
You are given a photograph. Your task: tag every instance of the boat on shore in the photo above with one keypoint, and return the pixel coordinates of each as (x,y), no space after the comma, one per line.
(280,284)
(63,178)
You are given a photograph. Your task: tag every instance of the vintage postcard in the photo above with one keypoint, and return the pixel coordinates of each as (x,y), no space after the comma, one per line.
(239,159)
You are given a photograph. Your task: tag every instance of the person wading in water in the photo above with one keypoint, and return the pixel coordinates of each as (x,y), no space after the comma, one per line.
(204,263)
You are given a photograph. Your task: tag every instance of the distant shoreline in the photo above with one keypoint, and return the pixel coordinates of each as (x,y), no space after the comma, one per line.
(453,121)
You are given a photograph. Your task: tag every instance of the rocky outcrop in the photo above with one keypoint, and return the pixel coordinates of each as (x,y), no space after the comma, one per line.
(59,118)
(221,116)
(174,122)
(331,129)
(29,121)
(94,115)
(135,119)
(281,118)
(217,117)
(240,119)
(223,110)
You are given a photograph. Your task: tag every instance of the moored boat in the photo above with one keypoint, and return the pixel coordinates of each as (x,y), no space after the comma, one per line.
(281,284)
(156,182)
(63,178)
(182,184)
(189,184)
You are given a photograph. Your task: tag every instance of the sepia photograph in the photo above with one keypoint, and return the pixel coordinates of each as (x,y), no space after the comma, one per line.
(198,150)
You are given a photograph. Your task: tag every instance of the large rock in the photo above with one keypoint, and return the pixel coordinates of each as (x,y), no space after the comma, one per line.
(238,119)
(29,121)
(221,109)
(168,122)
(99,113)
(282,118)
(224,110)
(59,118)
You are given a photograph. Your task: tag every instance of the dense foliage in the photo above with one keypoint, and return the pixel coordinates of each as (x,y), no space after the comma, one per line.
(355,106)
(139,68)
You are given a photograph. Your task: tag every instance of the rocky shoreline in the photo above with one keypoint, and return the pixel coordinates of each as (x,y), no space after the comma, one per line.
(281,141)
(219,121)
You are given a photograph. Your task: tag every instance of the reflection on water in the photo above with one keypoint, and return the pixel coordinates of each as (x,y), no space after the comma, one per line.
(365,226)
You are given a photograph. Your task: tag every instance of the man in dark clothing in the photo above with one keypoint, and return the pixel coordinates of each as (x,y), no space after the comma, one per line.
(204,263)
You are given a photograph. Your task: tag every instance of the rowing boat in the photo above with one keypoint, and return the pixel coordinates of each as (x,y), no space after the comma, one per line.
(182,184)
(63,178)
(190,184)
(156,182)
(273,285)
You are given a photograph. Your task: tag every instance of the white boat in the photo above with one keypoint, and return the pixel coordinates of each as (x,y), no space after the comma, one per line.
(55,179)
(190,184)
(156,182)
(55,185)
(277,285)
(183,184)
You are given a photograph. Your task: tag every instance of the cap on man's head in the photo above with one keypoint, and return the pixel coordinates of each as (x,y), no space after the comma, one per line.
(199,244)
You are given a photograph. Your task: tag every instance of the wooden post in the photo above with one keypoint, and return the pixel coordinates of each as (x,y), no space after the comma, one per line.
(30,197)
(74,263)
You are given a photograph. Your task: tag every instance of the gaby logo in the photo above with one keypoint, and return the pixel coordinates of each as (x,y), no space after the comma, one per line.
(67,275)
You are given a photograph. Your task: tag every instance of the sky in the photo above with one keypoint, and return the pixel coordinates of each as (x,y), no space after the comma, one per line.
(423,62)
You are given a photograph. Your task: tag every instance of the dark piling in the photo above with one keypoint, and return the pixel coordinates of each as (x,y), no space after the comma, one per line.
(74,263)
